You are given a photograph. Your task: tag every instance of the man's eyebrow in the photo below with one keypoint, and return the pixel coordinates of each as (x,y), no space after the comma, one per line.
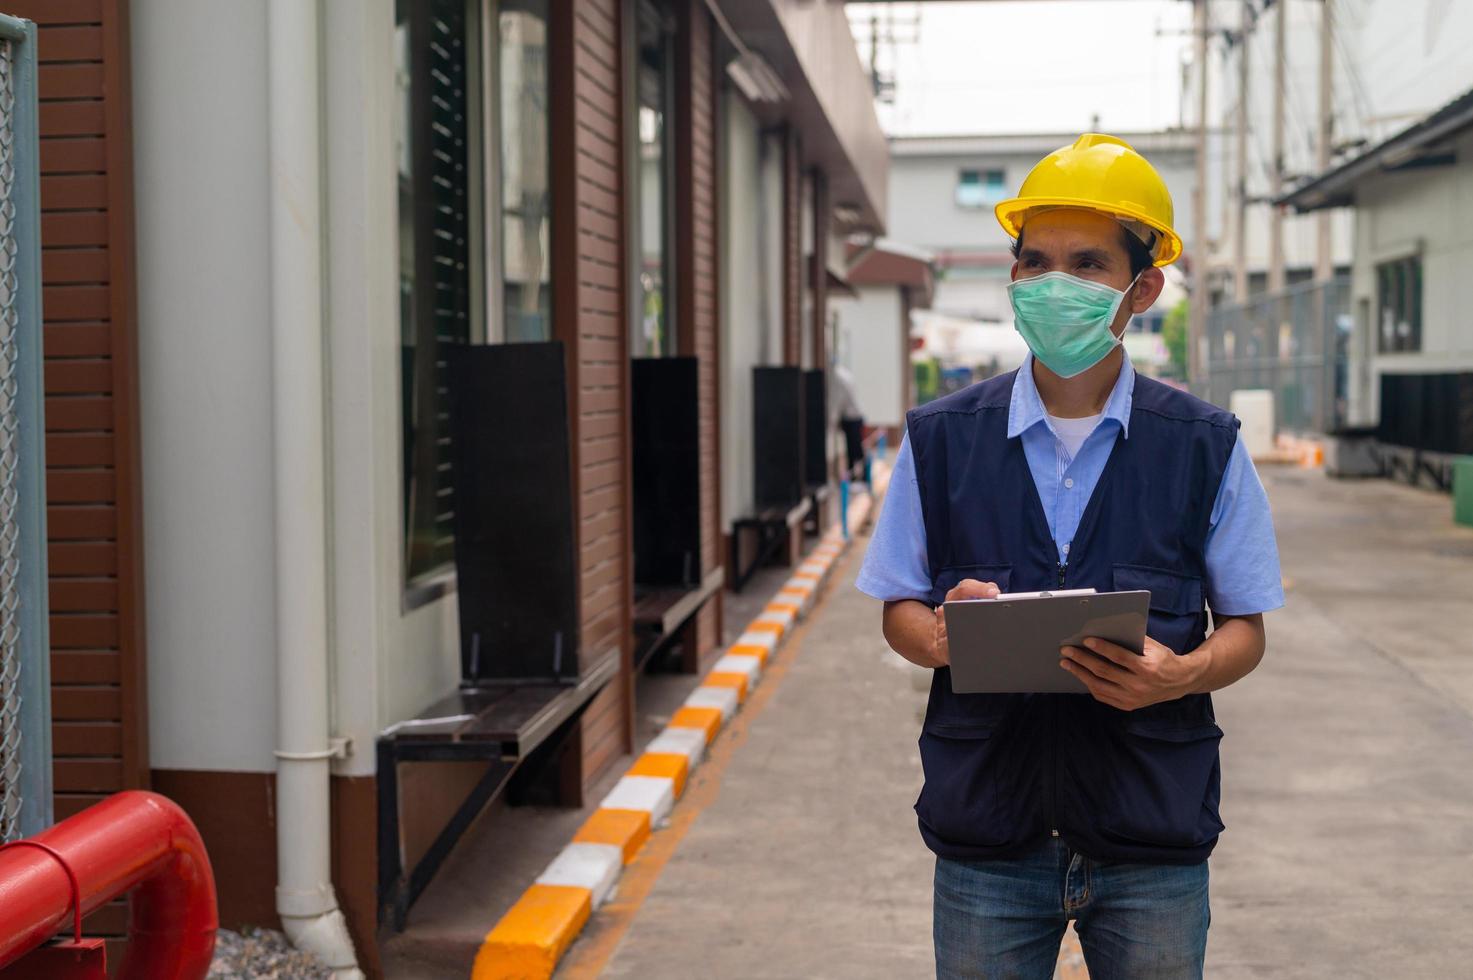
(1030,253)
(1096,254)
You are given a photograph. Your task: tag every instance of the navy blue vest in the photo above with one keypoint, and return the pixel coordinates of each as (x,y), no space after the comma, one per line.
(1003,770)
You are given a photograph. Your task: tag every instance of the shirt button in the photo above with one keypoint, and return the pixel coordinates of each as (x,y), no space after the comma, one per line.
(1066,549)
(1069,483)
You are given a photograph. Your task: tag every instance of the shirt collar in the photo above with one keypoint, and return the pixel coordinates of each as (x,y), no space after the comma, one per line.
(1026,408)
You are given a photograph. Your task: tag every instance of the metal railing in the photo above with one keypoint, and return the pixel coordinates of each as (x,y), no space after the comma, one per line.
(25,724)
(1294,344)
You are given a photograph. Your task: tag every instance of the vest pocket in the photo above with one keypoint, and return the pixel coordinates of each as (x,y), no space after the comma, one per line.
(1177,612)
(1164,784)
(970,796)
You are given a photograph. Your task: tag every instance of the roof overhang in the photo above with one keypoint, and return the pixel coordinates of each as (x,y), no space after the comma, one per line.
(886,263)
(1420,145)
(809,75)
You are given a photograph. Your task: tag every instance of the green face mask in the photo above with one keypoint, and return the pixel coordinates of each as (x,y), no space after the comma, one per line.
(1066,320)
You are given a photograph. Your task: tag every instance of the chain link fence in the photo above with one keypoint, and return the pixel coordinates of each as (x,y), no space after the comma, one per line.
(25,782)
(1294,344)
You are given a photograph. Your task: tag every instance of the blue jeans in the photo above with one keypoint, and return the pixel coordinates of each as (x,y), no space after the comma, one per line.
(1003,920)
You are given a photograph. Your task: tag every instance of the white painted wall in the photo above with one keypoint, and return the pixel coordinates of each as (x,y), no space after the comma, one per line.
(771,235)
(869,345)
(1427,211)
(742,313)
(200,180)
(205,386)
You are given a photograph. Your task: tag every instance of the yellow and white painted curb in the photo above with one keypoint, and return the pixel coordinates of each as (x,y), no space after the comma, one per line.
(535,932)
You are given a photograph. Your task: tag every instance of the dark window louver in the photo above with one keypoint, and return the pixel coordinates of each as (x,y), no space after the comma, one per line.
(435,215)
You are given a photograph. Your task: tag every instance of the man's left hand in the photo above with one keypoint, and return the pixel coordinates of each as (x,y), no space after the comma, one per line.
(1127,680)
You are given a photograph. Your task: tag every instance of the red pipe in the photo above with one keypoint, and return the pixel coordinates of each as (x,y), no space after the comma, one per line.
(133,841)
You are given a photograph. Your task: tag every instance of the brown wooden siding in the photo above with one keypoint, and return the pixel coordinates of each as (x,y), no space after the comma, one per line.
(94,548)
(589,313)
(792,249)
(695,248)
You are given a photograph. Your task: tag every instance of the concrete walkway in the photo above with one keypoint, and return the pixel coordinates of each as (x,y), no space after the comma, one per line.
(1348,783)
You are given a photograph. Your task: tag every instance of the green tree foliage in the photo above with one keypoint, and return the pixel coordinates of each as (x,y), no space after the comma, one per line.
(1174,334)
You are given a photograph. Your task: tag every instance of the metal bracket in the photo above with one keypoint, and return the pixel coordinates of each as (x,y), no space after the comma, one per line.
(338,748)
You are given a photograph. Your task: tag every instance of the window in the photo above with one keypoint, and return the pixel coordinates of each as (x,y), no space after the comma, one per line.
(653,334)
(473,226)
(979,188)
(1399,305)
(523,161)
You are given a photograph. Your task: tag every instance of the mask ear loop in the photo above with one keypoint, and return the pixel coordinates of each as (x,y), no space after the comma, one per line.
(1120,337)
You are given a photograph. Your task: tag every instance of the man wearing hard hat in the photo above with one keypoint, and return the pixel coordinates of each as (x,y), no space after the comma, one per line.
(1076,472)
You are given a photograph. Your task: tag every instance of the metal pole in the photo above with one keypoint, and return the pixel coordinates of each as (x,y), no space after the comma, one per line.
(1197,310)
(1323,259)
(1276,274)
(33,645)
(1240,164)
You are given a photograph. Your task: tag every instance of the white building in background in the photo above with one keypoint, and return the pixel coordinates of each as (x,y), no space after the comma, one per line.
(942,191)
(1393,62)
(892,286)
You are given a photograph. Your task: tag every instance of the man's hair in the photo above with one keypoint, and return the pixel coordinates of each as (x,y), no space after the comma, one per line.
(1140,255)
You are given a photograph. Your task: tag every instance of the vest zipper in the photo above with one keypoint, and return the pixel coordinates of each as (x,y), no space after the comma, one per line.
(1053,795)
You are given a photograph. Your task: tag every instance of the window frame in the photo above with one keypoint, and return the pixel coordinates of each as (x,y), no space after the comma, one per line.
(634,187)
(485,250)
(1400,287)
(988,190)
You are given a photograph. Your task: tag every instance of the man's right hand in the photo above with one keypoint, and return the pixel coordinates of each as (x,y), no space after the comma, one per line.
(967,588)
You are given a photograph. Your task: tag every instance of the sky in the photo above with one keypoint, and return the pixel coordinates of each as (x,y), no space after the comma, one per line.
(1028,66)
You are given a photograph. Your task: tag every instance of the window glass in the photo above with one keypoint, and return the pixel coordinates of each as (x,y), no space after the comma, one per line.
(652,333)
(1399,305)
(525,269)
(471,144)
(436,223)
(979,188)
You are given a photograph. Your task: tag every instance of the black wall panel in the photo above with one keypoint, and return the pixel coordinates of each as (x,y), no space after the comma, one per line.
(777,435)
(1433,412)
(815,426)
(667,477)
(514,534)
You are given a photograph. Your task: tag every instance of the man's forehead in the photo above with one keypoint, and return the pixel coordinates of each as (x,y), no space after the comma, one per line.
(1073,232)
(1068,225)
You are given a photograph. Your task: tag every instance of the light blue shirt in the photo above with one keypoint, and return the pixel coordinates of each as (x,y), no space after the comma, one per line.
(1242,556)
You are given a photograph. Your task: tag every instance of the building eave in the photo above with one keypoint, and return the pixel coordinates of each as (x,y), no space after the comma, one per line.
(1420,144)
(811,49)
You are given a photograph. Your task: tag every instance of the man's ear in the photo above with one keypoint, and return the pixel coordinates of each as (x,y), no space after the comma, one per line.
(1013,272)
(1147,289)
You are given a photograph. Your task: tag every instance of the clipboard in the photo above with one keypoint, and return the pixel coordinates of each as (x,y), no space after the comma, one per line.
(1010,644)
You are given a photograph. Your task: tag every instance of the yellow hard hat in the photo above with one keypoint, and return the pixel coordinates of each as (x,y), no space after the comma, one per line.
(1098,173)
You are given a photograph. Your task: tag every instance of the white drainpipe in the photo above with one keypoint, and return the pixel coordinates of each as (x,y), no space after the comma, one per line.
(304,893)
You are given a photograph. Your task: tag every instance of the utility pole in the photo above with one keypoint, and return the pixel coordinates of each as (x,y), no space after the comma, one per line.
(1197,309)
(1323,260)
(1276,276)
(1240,165)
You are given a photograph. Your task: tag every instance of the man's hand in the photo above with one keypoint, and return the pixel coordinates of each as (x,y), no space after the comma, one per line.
(967,588)
(1126,680)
